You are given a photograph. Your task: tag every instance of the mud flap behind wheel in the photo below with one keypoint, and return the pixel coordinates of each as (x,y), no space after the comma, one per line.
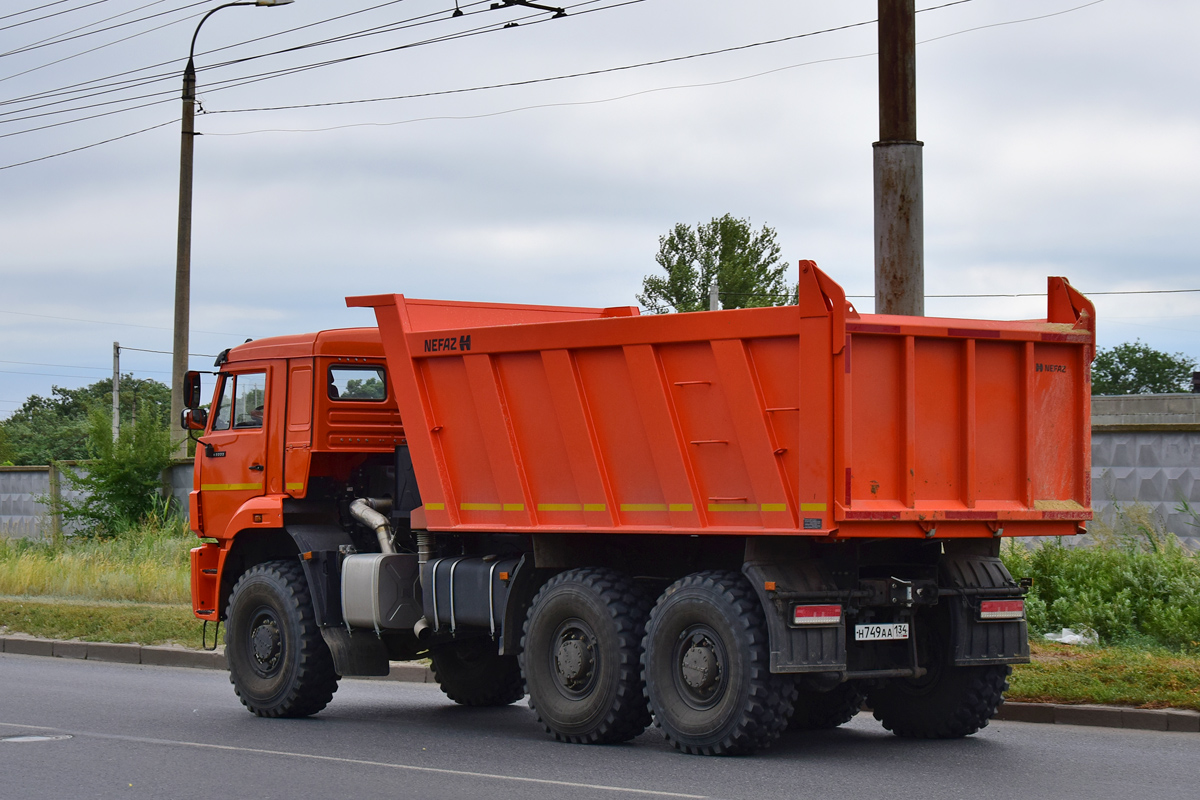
(975,641)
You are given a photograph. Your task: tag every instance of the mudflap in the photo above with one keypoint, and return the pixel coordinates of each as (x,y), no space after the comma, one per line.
(974,641)
(810,649)
(360,652)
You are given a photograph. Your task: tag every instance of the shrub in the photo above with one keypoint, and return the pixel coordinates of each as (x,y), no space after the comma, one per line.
(1135,588)
(124,480)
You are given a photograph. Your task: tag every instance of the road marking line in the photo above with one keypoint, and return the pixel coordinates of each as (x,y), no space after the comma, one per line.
(357,761)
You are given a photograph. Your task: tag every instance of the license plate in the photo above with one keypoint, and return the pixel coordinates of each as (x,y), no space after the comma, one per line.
(872,633)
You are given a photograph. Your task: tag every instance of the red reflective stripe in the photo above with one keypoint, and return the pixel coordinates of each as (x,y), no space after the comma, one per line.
(1002,609)
(816,615)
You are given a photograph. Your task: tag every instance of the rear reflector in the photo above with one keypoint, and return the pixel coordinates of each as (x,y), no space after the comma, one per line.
(816,615)
(1002,609)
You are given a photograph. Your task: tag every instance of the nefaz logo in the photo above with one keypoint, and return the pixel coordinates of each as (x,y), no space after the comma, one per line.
(1051,368)
(439,345)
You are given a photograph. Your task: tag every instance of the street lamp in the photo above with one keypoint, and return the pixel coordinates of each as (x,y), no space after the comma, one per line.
(183,251)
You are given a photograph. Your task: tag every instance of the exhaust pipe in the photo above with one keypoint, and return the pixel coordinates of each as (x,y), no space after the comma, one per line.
(366,510)
(422,630)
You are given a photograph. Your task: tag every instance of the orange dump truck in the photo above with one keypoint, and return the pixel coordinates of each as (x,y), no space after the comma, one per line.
(724,523)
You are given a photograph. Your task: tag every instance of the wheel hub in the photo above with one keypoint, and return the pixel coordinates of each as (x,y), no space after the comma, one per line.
(266,643)
(570,659)
(699,667)
(573,659)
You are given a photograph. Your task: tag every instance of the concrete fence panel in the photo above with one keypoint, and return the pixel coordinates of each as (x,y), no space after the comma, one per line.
(25,514)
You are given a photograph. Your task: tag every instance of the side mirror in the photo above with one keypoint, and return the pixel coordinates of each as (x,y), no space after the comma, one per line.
(191,389)
(193,419)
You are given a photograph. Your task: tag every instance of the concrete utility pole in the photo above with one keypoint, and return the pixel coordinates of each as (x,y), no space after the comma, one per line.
(116,391)
(899,207)
(183,243)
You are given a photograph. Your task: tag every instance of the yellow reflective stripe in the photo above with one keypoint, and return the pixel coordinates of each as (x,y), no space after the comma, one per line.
(774,506)
(559,507)
(643,506)
(294,487)
(488,506)
(594,507)
(230,487)
(812,506)
(733,507)
(435,506)
(680,507)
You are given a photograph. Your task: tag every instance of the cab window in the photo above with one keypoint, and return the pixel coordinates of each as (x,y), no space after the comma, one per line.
(241,402)
(357,383)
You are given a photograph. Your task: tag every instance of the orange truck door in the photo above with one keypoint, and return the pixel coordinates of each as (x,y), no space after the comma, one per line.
(236,457)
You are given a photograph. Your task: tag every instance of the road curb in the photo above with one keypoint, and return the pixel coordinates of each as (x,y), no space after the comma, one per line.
(1143,719)
(153,656)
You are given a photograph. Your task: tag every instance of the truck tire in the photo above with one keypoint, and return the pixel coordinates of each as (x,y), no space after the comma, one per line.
(580,653)
(471,673)
(279,664)
(816,711)
(947,702)
(706,668)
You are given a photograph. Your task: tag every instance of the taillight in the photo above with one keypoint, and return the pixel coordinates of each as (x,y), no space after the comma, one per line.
(816,615)
(1002,609)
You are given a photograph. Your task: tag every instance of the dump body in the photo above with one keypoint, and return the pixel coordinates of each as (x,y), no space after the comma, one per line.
(809,419)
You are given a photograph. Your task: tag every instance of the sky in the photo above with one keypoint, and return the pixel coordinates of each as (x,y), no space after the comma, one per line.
(1060,139)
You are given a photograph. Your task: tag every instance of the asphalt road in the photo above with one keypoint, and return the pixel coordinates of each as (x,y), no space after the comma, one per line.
(159,732)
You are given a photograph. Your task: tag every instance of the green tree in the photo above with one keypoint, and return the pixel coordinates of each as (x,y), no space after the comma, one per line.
(1136,368)
(55,428)
(124,478)
(746,266)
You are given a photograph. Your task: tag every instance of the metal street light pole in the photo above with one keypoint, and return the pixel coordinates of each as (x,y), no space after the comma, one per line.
(183,248)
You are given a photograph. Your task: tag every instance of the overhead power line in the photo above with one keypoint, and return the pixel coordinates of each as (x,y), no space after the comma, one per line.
(85,147)
(48,16)
(60,39)
(235,82)
(215,86)
(31,10)
(94,49)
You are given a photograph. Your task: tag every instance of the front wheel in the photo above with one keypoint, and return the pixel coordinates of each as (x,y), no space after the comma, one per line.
(706,668)
(279,664)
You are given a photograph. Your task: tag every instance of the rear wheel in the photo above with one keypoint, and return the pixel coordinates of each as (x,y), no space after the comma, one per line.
(279,664)
(580,655)
(947,702)
(706,668)
(471,673)
(824,710)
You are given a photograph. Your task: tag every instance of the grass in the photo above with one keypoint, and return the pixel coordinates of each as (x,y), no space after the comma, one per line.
(1124,676)
(140,623)
(148,564)
(134,587)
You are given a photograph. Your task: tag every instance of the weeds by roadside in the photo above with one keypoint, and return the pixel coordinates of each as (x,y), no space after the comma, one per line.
(1137,586)
(147,563)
